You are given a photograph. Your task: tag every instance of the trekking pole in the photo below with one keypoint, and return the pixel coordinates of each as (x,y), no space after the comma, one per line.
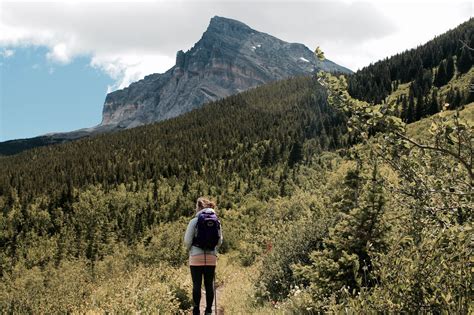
(215,295)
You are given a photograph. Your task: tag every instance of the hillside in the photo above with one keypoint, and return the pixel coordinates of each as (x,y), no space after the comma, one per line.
(419,65)
(78,203)
(239,131)
(422,81)
(83,241)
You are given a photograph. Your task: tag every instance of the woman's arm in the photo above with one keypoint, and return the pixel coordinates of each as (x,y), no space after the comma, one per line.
(189,235)
(221,238)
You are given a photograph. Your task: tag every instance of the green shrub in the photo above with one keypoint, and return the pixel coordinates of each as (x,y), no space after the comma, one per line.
(248,253)
(293,245)
(48,291)
(163,243)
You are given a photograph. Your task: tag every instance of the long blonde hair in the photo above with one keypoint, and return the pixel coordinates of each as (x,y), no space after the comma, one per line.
(203,203)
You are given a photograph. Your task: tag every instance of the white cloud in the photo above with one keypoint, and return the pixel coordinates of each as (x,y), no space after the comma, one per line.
(59,53)
(129,40)
(7,53)
(126,69)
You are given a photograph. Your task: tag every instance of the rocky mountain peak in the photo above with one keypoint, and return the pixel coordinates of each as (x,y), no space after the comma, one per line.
(222,35)
(229,58)
(227,27)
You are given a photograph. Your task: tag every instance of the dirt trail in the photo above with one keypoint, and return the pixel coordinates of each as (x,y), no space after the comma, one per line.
(220,309)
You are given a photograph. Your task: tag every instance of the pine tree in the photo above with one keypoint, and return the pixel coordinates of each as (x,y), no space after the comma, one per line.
(350,191)
(449,68)
(404,111)
(457,99)
(427,80)
(450,97)
(266,158)
(470,97)
(420,108)
(345,261)
(296,154)
(433,105)
(441,75)
(464,61)
(411,109)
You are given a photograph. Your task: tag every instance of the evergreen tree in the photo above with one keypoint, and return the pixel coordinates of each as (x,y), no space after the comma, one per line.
(404,111)
(441,77)
(411,109)
(457,102)
(433,105)
(450,96)
(345,261)
(350,191)
(464,61)
(449,68)
(427,80)
(470,97)
(296,154)
(267,157)
(420,108)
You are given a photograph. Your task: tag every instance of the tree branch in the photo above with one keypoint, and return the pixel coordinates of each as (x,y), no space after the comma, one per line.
(442,150)
(464,44)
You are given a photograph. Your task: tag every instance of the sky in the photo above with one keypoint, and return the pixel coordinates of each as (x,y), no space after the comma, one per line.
(59,59)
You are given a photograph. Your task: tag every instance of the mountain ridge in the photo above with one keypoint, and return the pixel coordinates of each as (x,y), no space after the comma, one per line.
(221,63)
(229,58)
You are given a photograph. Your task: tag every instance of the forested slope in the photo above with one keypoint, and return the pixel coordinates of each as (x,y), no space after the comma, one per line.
(422,79)
(67,201)
(241,134)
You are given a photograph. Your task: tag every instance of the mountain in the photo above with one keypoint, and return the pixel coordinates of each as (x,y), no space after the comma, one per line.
(229,58)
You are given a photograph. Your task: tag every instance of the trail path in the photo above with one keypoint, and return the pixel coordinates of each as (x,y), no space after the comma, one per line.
(220,309)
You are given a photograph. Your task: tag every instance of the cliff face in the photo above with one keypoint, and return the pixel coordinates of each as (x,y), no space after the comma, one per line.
(229,58)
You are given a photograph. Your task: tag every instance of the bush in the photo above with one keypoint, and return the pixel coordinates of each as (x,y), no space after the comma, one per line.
(116,284)
(296,241)
(142,289)
(163,243)
(48,291)
(433,275)
(248,253)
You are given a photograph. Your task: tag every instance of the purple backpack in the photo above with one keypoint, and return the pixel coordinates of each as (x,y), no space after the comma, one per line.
(207,227)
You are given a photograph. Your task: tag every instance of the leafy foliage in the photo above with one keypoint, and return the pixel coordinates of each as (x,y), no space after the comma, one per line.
(431,186)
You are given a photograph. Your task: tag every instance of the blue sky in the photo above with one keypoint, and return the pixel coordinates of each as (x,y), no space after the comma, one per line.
(39,96)
(59,58)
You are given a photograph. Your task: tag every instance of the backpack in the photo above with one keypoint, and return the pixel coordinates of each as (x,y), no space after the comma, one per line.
(207,227)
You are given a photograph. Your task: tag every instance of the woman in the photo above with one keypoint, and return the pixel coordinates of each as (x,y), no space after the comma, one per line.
(202,256)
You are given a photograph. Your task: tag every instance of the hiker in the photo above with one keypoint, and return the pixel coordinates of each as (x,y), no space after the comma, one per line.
(203,236)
